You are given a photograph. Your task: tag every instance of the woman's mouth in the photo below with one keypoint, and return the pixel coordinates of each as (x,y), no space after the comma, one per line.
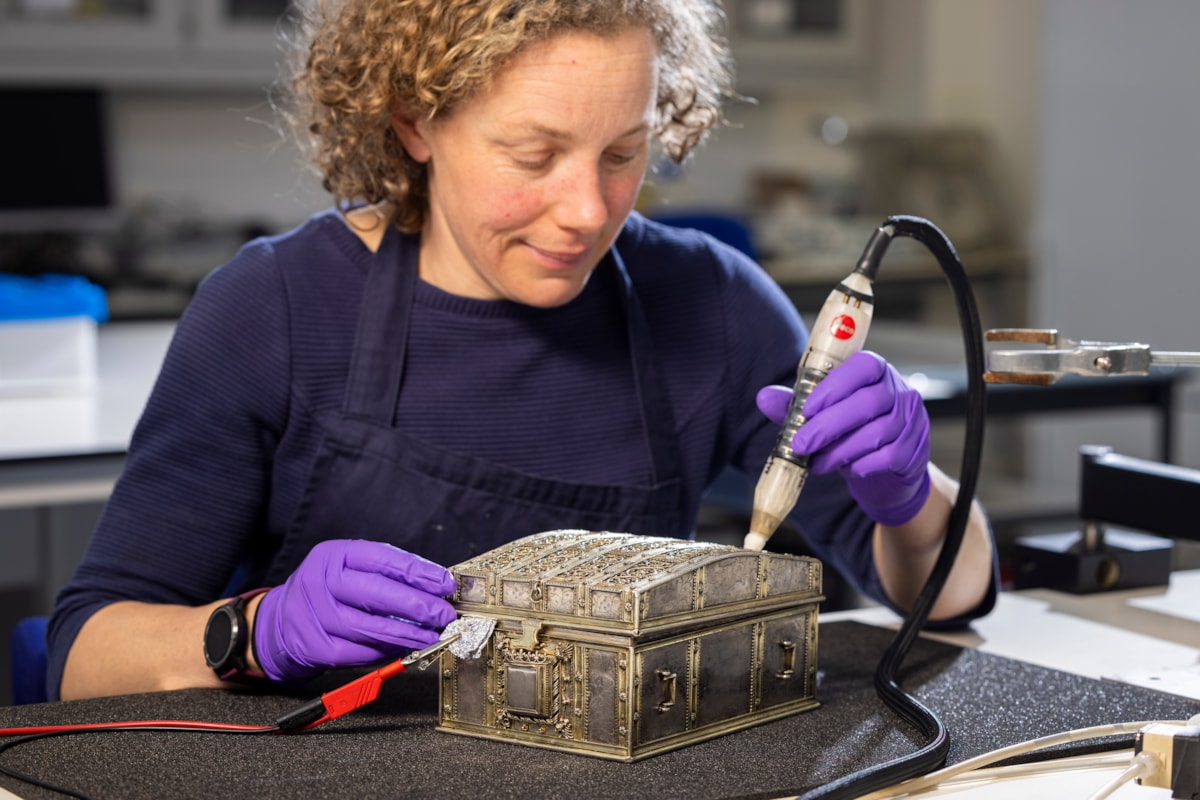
(561,259)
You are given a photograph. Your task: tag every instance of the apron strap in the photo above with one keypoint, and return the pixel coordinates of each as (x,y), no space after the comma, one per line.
(658,421)
(377,361)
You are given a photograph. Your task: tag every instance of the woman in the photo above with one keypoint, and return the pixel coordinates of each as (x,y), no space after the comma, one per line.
(481,341)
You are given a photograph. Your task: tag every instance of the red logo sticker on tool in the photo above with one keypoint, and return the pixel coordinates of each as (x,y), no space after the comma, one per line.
(842,326)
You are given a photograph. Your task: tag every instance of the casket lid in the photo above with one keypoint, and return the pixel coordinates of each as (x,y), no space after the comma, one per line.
(628,581)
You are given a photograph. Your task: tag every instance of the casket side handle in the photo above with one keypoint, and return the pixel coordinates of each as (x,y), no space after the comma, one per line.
(789,659)
(667,695)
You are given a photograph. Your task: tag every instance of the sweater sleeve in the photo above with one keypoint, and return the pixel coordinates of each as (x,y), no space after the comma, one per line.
(191,494)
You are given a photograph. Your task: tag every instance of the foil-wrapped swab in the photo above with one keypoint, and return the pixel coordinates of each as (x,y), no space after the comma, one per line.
(474,633)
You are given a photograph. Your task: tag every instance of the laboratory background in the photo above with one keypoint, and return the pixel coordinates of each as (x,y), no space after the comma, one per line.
(1053,141)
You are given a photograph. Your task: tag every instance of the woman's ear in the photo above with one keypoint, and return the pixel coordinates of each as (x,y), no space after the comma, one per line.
(411,133)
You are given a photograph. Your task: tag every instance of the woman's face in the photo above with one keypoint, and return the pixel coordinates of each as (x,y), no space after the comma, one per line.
(530,181)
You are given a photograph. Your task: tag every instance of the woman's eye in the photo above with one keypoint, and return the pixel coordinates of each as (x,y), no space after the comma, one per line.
(534,161)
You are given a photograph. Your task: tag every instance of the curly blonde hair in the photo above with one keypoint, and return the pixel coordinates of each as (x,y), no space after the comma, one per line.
(355,60)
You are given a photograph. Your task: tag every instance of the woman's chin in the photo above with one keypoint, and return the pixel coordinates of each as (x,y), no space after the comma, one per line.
(551,292)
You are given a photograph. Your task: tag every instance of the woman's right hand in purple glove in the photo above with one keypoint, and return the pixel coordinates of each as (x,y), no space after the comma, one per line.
(350,603)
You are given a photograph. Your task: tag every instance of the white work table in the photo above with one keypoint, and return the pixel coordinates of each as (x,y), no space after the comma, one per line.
(1144,637)
(61,454)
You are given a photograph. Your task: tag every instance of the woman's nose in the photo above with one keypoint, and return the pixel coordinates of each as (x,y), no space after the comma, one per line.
(581,204)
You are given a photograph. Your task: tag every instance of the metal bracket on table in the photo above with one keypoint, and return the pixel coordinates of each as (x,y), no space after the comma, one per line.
(1116,490)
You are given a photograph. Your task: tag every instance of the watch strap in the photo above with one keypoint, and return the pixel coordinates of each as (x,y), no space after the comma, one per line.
(237,668)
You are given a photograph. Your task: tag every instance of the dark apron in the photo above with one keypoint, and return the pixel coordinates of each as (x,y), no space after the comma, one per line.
(372,481)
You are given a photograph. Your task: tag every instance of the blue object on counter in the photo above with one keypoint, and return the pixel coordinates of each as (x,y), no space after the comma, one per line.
(51,296)
(726,226)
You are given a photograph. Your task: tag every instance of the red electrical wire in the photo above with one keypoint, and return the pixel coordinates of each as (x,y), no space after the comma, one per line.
(335,703)
(145,724)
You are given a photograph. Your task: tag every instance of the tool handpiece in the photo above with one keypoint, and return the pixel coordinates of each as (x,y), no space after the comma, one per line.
(839,332)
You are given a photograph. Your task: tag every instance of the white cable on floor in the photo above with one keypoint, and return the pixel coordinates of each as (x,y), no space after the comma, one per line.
(1035,769)
(1140,766)
(1081,734)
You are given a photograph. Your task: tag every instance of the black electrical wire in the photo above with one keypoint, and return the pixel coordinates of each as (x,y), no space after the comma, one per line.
(30,779)
(110,728)
(933,754)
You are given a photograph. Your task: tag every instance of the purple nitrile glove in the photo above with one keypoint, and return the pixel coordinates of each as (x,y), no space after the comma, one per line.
(866,422)
(350,602)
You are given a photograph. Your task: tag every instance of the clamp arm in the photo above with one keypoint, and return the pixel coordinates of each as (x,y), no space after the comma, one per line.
(1062,356)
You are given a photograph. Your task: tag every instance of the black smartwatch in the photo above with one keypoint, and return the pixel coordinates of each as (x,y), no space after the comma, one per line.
(226,638)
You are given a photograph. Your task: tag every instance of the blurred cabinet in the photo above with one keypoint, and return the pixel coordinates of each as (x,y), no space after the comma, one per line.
(778,44)
(240,25)
(141,43)
(912,287)
(800,44)
(59,27)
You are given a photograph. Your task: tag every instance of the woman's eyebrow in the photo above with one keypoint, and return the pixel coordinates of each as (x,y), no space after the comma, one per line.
(554,133)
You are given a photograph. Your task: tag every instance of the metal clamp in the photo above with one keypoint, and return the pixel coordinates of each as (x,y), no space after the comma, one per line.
(423,658)
(1063,356)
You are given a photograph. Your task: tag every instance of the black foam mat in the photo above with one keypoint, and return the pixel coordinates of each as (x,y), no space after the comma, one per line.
(390,748)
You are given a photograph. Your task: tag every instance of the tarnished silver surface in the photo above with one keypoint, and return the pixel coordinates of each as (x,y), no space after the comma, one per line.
(627,582)
(625,646)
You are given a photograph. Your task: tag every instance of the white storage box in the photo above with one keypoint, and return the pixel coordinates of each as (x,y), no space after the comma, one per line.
(47,356)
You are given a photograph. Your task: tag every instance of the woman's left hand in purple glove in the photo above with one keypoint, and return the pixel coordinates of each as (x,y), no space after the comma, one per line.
(865,421)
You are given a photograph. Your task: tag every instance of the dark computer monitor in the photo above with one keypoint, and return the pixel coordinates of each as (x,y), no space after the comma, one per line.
(55,170)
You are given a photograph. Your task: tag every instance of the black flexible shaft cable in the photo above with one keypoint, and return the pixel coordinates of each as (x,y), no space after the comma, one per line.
(933,754)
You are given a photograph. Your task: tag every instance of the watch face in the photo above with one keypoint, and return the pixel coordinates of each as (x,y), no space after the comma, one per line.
(218,637)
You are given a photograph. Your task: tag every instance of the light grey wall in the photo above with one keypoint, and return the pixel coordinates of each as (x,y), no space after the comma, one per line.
(1117,202)
(208,155)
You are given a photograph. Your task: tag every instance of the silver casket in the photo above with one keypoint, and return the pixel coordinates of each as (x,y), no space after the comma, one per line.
(624,646)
